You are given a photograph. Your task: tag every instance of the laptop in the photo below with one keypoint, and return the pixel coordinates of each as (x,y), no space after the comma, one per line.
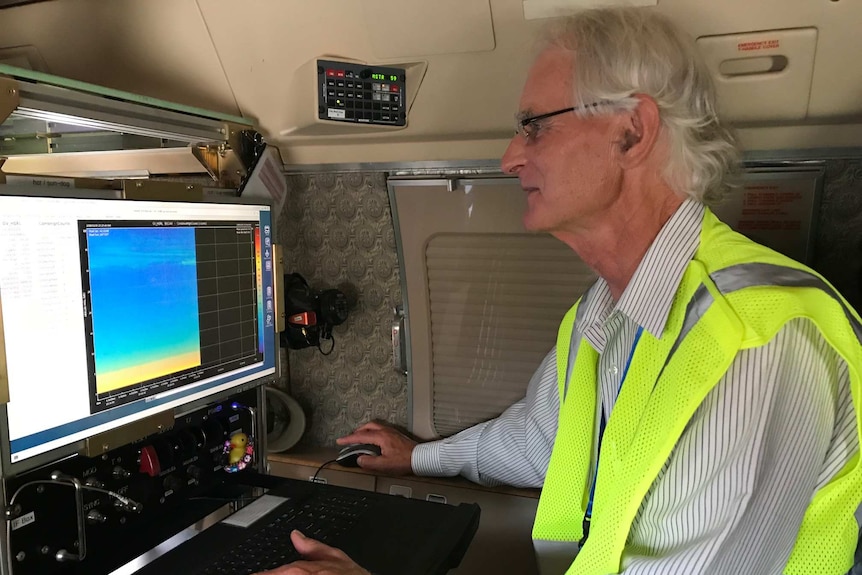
(385,534)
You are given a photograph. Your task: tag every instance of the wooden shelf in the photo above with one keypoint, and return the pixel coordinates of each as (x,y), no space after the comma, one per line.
(314,457)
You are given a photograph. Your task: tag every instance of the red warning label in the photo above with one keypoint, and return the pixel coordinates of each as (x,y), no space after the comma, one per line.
(753,45)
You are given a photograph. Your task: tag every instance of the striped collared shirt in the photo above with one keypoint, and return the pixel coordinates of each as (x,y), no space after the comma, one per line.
(730,499)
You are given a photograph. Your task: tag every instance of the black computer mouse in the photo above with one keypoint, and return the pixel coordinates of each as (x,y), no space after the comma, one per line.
(349,454)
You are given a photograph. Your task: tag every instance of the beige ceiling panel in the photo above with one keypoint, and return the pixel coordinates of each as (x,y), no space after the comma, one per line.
(262,44)
(414,28)
(708,18)
(27,57)
(243,57)
(845,135)
(535,9)
(761,76)
(836,84)
(158,48)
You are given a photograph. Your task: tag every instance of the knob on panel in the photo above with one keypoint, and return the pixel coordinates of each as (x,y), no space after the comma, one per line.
(148,461)
(95,517)
(168,449)
(195,473)
(172,483)
(119,472)
(215,431)
(188,443)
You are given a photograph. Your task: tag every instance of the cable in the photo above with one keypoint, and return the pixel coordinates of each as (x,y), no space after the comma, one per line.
(58,478)
(9,513)
(331,347)
(128,503)
(319,469)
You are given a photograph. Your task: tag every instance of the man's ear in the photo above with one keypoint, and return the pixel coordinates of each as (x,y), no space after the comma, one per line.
(638,132)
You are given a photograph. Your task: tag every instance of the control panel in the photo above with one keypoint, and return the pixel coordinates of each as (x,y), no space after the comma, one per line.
(361,94)
(83,514)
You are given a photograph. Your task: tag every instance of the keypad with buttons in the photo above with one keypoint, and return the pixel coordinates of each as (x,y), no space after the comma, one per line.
(361,94)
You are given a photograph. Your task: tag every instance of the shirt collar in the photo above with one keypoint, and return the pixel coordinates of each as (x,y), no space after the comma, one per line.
(649,295)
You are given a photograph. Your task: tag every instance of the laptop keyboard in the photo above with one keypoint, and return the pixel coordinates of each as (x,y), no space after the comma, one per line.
(324,517)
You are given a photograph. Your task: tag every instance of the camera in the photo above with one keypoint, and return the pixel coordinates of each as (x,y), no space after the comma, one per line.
(310,314)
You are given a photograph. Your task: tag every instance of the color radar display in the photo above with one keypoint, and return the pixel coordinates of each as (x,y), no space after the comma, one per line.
(168,303)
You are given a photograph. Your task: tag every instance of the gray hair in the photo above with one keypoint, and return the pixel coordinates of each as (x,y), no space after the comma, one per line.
(623,51)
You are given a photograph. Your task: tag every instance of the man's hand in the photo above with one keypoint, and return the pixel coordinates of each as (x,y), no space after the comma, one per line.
(395,448)
(319,559)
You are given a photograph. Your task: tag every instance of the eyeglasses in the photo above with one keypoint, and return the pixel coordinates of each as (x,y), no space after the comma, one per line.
(527,127)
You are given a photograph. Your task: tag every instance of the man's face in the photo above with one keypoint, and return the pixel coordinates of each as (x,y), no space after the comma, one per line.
(566,164)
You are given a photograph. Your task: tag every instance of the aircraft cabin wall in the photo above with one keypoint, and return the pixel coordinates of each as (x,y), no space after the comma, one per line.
(245,58)
(337,230)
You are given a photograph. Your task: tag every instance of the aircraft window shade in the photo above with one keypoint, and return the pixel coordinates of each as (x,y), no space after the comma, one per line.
(495,302)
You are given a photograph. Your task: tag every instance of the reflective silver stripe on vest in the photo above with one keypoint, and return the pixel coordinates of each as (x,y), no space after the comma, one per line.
(554,557)
(741,276)
(696,308)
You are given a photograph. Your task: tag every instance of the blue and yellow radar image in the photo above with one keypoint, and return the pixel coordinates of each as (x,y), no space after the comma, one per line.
(144,298)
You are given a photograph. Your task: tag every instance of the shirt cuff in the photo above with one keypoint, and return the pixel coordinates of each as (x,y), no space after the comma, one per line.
(425,460)
(449,457)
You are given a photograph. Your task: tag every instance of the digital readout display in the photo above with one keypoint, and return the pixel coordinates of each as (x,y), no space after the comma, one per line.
(385,77)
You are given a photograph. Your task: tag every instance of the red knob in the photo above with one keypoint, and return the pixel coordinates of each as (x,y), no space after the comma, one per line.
(149,461)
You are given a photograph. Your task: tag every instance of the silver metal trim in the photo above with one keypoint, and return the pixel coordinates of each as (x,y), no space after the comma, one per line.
(407,358)
(802,155)
(398,362)
(491,167)
(426,168)
(63,555)
(53,103)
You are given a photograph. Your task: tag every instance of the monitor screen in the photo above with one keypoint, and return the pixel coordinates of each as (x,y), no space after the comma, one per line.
(114,310)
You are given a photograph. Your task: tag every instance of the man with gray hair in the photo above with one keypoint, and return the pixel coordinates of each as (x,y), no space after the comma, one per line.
(697,413)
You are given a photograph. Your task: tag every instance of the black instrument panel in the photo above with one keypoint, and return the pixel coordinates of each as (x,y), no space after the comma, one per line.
(361,94)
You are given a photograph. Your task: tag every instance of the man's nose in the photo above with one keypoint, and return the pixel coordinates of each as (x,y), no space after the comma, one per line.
(513,159)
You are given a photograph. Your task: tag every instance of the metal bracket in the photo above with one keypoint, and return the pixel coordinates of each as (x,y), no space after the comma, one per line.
(255,458)
(9,97)
(104,442)
(399,351)
(234,135)
(158,190)
(63,555)
(222,163)
(208,157)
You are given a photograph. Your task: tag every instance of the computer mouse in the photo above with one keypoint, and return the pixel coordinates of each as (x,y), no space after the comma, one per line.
(349,454)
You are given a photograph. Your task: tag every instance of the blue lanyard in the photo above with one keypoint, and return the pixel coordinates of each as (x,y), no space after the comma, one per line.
(589,514)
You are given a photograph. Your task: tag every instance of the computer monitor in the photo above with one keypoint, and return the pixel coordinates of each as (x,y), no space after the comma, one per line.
(114,310)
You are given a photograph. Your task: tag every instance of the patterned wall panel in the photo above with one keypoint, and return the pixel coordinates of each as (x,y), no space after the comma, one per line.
(337,229)
(337,232)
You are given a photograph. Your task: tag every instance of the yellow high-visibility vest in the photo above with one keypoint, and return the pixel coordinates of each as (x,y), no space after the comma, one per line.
(734,295)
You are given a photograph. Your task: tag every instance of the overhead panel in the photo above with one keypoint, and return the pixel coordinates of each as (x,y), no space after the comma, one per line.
(762,76)
(412,28)
(535,9)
